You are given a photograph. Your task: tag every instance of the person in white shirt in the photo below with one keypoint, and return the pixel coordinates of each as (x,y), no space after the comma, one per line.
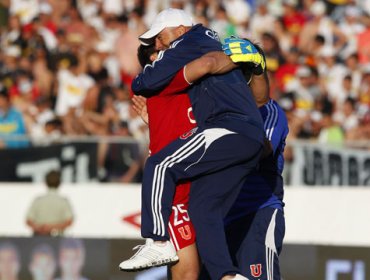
(27,10)
(331,72)
(72,88)
(347,117)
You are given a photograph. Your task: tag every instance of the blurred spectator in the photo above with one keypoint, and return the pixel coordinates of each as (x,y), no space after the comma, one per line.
(43,264)
(9,64)
(351,26)
(305,90)
(347,117)
(23,93)
(71,259)
(125,49)
(11,123)
(364,93)
(222,23)
(47,133)
(286,72)
(285,40)
(13,34)
(120,162)
(363,45)
(262,21)
(322,25)
(274,55)
(293,19)
(27,10)
(9,261)
(238,11)
(331,133)
(75,28)
(331,72)
(354,70)
(73,85)
(51,213)
(32,40)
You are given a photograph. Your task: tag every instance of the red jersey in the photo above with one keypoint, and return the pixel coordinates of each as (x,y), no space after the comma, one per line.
(169,113)
(170,116)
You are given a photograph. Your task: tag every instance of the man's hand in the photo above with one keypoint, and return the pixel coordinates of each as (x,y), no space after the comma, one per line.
(245,52)
(140,107)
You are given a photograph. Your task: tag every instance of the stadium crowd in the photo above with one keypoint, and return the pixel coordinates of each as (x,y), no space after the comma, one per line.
(67,65)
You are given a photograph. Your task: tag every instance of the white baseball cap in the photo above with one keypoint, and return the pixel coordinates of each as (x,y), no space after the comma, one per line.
(167,18)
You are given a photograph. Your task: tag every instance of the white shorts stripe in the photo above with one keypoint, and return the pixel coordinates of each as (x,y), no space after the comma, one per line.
(173,237)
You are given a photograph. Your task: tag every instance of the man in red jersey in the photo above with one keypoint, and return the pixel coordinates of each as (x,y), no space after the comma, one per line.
(169,116)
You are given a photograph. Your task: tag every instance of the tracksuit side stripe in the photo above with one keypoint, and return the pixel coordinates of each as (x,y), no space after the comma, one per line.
(196,146)
(274,121)
(158,180)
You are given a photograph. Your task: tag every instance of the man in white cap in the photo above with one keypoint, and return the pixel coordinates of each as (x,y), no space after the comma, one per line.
(226,145)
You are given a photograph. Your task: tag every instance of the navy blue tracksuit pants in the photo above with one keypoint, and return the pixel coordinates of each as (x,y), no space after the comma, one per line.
(226,157)
(255,242)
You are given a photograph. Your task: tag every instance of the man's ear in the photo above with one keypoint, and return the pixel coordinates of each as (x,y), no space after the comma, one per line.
(181,30)
(153,57)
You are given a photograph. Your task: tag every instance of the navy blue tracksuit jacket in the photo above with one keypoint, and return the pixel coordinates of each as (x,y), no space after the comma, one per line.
(226,145)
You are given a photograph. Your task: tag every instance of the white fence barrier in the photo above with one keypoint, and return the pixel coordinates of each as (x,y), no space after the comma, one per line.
(321,215)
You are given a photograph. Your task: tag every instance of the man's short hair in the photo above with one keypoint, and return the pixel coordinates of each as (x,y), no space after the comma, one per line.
(144,53)
(53,179)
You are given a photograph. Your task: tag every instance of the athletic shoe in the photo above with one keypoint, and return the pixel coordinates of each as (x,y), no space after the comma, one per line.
(152,254)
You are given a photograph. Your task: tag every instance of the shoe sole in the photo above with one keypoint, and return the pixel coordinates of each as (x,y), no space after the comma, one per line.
(156,264)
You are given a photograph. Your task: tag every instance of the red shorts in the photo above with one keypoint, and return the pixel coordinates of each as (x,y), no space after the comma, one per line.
(181,229)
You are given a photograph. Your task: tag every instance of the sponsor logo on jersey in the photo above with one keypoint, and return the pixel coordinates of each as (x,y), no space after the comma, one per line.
(191,115)
(188,134)
(212,34)
(256,270)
